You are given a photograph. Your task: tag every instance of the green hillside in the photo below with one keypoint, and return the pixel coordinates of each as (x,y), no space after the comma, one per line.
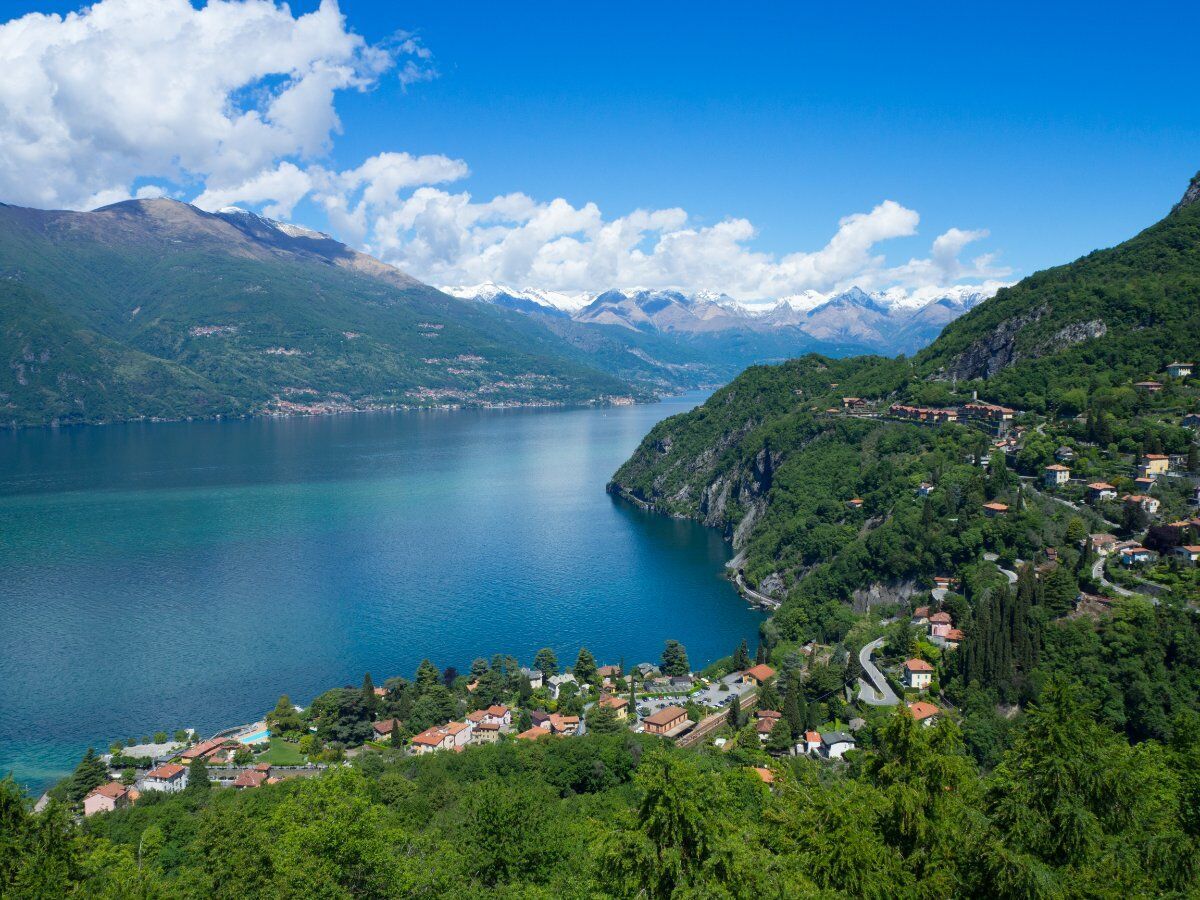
(156,309)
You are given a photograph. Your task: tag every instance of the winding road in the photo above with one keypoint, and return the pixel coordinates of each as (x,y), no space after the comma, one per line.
(752,595)
(881,694)
(1007,573)
(1098,575)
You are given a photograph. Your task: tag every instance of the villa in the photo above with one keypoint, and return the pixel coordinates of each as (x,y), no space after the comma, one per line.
(451,736)
(758,674)
(1101,490)
(205,749)
(555,683)
(993,510)
(383,729)
(917,674)
(1145,501)
(1179,369)
(532,734)
(170,778)
(1055,474)
(1134,555)
(108,797)
(1103,543)
(564,725)
(920,616)
(1150,387)
(1154,464)
(252,778)
(619,705)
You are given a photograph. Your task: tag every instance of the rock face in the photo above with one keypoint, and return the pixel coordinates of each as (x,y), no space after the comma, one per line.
(990,354)
(1190,196)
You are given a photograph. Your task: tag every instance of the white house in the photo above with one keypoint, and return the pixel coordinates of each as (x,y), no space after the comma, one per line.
(834,744)
(1055,475)
(812,742)
(925,713)
(534,676)
(168,778)
(555,682)
(451,736)
(917,674)
(1101,490)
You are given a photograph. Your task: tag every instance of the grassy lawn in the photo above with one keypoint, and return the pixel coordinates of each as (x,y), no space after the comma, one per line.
(281,753)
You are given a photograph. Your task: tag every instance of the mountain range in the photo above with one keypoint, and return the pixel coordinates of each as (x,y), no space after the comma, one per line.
(155,309)
(880,322)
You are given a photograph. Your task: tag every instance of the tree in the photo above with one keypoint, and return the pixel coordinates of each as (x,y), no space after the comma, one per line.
(283,720)
(397,739)
(90,773)
(449,676)
(197,781)
(602,720)
(368,692)
(478,666)
(243,756)
(780,740)
(741,657)
(674,659)
(1193,457)
(585,667)
(546,662)
(427,676)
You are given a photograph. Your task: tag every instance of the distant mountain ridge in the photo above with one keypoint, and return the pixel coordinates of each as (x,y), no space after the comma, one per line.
(884,321)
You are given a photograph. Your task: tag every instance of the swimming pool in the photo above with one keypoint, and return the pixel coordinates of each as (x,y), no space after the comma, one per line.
(257,738)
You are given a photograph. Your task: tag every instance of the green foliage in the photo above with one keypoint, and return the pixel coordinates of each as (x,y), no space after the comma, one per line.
(674,659)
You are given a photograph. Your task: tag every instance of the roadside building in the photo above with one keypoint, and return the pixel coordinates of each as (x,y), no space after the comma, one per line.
(451,736)
(758,674)
(917,674)
(667,722)
(106,798)
(1101,490)
(1103,543)
(169,778)
(1055,475)
(251,778)
(619,706)
(207,749)
(920,616)
(1131,556)
(1151,465)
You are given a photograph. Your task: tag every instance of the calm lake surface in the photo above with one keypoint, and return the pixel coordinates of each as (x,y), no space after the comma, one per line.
(170,575)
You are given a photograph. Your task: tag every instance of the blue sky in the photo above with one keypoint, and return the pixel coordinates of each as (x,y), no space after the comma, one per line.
(1058,128)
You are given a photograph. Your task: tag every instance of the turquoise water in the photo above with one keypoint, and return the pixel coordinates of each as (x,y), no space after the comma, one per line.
(158,576)
(257,738)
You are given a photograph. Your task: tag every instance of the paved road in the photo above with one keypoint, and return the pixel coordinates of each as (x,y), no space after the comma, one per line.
(1007,573)
(881,694)
(1098,575)
(753,595)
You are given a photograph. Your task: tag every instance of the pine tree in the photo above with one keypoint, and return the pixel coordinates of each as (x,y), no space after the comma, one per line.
(780,740)
(546,662)
(585,667)
(198,776)
(427,676)
(674,659)
(741,657)
(793,716)
(1193,458)
(397,739)
(761,655)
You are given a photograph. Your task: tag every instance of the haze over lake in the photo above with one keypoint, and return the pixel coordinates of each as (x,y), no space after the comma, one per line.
(158,576)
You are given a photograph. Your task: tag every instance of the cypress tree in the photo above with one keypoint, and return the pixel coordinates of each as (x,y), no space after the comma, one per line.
(741,657)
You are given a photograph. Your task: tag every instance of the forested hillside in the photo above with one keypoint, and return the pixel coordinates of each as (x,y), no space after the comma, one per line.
(1071,810)
(157,309)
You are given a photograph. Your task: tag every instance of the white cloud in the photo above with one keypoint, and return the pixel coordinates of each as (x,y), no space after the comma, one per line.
(235,103)
(130,89)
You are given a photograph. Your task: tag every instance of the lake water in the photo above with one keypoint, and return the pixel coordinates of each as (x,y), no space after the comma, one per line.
(156,576)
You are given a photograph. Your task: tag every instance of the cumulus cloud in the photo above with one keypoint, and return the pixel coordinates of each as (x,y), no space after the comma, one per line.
(234,102)
(158,89)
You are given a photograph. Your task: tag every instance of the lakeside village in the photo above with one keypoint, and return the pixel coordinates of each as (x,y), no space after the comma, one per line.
(1132,533)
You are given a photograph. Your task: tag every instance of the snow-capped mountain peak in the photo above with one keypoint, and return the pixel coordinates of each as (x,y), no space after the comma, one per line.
(296,231)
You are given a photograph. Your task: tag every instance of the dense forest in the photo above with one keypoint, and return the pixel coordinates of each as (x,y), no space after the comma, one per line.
(1070,809)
